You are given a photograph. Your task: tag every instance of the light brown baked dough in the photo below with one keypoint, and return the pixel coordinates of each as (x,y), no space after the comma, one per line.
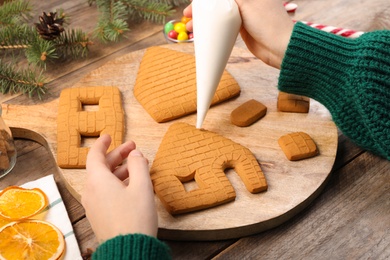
(166,84)
(298,146)
(187,154)
(293,103)
(73,122)
(248,113)
(7,149)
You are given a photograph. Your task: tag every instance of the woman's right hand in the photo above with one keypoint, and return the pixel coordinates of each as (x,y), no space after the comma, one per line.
(266,28)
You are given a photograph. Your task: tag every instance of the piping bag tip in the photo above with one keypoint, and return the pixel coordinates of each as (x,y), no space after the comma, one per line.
(201,115)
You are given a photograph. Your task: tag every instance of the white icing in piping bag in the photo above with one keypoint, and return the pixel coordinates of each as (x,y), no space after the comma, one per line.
(216,24)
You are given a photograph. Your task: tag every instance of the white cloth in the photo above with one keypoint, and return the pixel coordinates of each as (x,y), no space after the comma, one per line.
(57,215)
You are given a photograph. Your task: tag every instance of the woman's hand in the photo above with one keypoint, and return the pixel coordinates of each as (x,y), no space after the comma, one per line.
(266,28)
(114,206)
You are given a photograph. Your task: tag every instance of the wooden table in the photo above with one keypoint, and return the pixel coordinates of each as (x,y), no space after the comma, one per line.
(348,220)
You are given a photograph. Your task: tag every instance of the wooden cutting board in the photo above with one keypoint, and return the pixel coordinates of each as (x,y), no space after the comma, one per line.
(292,185)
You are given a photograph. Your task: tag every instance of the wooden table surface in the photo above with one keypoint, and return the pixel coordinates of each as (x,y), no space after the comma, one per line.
(348,220)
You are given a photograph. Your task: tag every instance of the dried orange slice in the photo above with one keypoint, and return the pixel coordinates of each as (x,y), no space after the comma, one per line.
(18,203)
(31,239)
(3,222)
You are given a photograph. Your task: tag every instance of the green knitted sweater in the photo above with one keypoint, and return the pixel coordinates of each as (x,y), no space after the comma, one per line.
(133,246)
(350,77)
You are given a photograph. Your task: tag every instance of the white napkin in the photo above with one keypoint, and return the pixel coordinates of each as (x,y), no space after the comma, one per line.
(57,215)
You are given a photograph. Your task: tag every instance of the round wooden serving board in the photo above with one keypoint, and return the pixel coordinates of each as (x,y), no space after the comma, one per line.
(292,185)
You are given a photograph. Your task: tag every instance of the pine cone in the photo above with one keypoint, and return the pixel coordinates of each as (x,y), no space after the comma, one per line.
(50,27)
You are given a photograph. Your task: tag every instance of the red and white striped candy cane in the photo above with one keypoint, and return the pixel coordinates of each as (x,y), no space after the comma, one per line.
(335,30)
(290,7)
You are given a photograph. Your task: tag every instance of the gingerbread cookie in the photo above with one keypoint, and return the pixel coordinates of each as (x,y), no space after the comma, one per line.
(166,84)
(189,154)
(298,146)
(7,149)
(248,113)
(293,103)
(73,122)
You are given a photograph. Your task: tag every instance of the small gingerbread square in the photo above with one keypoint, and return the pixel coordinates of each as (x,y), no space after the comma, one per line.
(297,146)
(293,103)
(248,113)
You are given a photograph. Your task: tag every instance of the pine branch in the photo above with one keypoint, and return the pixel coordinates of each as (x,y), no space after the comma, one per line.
(72,43)
(148,10)
(168,2)
(12,12)
(115,14)
(21,81)
(112,23)
(15,37)
(172,2)
(40,51)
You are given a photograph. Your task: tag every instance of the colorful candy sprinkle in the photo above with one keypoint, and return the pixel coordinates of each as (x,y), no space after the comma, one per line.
(179,27)
(183,36)
(176,30)
(168,27)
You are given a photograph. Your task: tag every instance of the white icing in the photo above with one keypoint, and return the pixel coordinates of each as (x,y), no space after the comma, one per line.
(216,24)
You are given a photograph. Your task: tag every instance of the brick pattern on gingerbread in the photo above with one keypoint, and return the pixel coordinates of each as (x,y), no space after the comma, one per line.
(166,84)
(297,146)
(73,122)
(187,154)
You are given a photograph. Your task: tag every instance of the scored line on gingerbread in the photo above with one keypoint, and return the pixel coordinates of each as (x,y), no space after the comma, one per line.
(297,146)
(73,122)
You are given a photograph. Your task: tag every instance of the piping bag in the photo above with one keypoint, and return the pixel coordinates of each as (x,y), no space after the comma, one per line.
(216,24)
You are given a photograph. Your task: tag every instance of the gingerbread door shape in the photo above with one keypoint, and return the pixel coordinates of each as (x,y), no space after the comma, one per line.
(186,154)
(74,123)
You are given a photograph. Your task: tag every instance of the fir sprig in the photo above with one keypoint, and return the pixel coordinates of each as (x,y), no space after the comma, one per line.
(115,15)
(15,37)
(44,42)
(112,20)
(25,81)
(40,51)
(72,43)
(148,10)
(13,12)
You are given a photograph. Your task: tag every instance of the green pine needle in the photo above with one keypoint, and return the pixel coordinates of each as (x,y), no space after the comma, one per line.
(115,15)
(149,10)
(26,81)
(73,43)
(15,37)
(40,51)
(13,12)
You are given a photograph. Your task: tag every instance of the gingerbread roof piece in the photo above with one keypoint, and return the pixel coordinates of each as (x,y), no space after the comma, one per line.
(166,84)
(186,154)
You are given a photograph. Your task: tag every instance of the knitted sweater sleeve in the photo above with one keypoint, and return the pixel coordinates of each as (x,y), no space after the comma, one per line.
(132,246)
(350,77)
